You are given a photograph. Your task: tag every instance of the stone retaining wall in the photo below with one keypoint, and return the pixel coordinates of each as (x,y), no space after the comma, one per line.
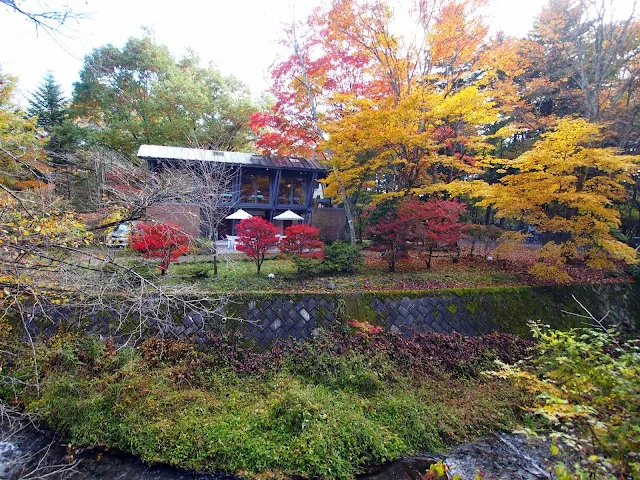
(264,317)
(464,311)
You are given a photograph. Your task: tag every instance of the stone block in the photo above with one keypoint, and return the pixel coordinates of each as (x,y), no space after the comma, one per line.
(269,334)
(413,311)
(275,304)
(288,324)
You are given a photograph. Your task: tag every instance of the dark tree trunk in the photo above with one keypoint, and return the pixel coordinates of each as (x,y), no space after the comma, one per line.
(487,216)
(456,257)
(213,237)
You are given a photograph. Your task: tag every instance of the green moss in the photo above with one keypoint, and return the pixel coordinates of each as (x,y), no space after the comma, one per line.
(473,305)
(322,418)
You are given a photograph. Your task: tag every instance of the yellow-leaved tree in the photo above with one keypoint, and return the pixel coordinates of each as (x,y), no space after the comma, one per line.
(22,158)
(428,138)
(566,185)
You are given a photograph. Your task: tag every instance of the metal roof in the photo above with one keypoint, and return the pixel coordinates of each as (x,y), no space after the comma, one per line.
(159,152)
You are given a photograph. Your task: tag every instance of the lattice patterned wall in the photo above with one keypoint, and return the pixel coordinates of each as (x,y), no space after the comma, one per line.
(271,317)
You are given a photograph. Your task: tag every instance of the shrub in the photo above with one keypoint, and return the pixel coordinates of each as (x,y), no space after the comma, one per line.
(635,272)
(587,383)
(339,257)
(342,257)
(310,267)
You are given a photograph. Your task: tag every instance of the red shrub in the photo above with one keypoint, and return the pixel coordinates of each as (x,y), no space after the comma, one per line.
(255,237)
(302,241)
(160,240)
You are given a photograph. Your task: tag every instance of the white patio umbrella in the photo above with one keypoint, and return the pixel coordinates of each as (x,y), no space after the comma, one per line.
(239,215)
(288,215)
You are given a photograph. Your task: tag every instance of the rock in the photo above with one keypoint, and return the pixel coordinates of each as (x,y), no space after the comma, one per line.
(490,258)
(408,468)
(331,286)
(271,275)
(501,457)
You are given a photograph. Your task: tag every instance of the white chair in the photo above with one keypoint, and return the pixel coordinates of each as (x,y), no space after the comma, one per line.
(231,242)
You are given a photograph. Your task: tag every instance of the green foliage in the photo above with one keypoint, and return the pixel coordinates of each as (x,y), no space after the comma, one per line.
(141,94)
(309,267)
(587,383)
(322,417)
(342,257)
(635,271)
(339,257)
(49,106)
(353,372)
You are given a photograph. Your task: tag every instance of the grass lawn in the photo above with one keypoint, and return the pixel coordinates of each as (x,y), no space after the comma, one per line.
(240,275)
(236,273)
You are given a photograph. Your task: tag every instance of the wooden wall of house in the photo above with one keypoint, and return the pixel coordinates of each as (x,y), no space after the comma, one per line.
(184,214)
(332,223)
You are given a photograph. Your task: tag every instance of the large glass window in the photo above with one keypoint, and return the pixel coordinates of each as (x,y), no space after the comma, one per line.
(255,188)
(291,191)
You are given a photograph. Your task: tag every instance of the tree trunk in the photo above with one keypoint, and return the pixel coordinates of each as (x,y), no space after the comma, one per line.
(215,257)
(487,216)
(456,258)
(347,208)
(259,260)
(582,178)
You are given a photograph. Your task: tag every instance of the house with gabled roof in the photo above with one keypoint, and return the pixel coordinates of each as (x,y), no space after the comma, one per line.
(261,185)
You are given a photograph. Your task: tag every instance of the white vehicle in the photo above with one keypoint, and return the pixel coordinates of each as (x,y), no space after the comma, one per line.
(119,236)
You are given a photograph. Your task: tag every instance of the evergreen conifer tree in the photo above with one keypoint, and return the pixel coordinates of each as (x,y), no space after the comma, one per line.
(49,105)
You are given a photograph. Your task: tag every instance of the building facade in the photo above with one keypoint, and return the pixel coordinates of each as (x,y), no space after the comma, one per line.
(262,186)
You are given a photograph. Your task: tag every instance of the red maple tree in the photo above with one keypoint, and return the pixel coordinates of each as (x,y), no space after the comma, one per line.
(418,225)
(302,241)
(389,237)
(255,237)
(431,225)
(160,240)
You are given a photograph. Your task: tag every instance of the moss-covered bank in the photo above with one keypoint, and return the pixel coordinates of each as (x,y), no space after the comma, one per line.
(322,410)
